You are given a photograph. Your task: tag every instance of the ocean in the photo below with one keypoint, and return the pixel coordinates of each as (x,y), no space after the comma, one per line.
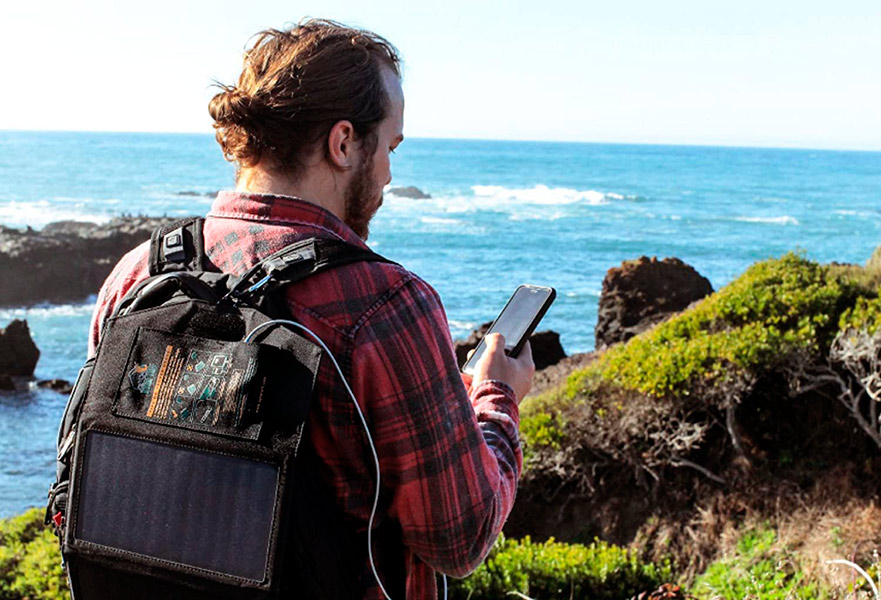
(500,214)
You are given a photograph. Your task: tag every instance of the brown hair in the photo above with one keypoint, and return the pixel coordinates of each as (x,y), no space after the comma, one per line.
(295,85)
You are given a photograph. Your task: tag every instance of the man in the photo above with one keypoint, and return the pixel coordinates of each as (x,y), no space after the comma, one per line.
(310,124)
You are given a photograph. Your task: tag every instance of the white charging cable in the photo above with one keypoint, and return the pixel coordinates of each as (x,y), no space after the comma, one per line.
(248,339)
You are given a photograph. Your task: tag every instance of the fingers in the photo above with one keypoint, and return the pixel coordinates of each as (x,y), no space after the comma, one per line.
(525,355)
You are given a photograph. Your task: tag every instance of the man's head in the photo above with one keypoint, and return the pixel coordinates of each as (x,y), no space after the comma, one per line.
(318,97)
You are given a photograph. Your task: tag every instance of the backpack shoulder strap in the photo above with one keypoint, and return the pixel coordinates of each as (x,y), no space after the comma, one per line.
(178,246)
(298,261)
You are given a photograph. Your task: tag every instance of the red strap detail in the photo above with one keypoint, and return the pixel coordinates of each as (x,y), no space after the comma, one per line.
(58,518)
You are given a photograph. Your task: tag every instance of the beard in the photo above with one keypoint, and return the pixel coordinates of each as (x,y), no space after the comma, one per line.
(361,199)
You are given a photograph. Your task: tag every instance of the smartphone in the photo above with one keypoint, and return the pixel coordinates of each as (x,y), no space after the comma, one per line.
(517,320)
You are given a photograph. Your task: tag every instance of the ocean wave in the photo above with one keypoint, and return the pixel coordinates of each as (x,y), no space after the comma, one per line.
(462,325)
(863,214)
(440,221)
(538,203)
(42,212)
(542,195)
(49,310)
(537,216)
(784,220)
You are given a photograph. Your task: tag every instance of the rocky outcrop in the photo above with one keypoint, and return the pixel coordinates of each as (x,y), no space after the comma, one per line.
(555,375)
(546,348)
(409,192)
(67,260)
(197,194)
(642,293)
(62,386)
(18,353)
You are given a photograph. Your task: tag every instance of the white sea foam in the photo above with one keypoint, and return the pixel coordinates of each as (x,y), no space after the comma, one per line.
(785,220)
(863,214)
(540,195)
(538,203)
(42,212)
(462,325)
(534,215)
(49,310)
(440,221)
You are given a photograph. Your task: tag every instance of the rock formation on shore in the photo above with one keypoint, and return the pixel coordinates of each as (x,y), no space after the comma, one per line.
(67,260)
(642,293)
(18,353)
(546,348)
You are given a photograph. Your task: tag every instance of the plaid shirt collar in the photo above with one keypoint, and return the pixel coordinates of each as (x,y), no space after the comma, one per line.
(282,210)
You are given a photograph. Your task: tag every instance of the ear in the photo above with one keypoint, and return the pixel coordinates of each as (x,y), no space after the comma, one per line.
(342,145)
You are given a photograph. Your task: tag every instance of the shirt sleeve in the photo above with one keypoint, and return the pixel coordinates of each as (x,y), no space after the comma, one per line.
(449,462)
(130,269)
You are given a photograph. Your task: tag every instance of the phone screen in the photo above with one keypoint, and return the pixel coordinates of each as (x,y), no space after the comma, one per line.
(517,320)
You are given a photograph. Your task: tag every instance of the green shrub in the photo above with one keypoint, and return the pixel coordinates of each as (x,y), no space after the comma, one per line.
(554,570)
(775,308)
(30,561)
(865,315)
(759,568)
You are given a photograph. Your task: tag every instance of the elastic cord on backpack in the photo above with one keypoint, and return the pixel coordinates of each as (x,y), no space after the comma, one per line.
(248,339)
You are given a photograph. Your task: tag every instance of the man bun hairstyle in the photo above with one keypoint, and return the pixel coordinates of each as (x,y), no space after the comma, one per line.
(295,85)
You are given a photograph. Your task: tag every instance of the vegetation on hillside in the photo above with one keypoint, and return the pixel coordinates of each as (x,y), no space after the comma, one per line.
(759,401)
(734,449)
(30,560)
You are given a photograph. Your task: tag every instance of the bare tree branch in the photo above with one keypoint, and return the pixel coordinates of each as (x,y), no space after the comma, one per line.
(681,462)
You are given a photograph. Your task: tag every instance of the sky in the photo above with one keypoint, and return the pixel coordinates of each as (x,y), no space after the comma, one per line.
(787,73)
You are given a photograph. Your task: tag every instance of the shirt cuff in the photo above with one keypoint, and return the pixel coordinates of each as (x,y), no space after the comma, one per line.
(493,398)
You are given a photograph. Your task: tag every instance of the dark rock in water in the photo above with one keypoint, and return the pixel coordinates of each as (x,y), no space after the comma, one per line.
(18,352)
(66,261)
(192,193)
(6,383)
(546,348)
(409,192)
(644,292)
(62,386)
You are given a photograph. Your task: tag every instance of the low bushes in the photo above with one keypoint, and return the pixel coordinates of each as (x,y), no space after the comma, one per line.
(30,560)
(759,568)
(549,569)
(30,568)
(777,307)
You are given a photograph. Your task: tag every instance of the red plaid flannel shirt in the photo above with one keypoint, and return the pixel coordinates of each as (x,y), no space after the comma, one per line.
(449,459)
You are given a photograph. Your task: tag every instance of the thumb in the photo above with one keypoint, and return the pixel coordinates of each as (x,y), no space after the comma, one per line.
(495,342)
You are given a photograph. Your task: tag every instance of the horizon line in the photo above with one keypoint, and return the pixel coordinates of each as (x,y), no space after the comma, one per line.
(753,146)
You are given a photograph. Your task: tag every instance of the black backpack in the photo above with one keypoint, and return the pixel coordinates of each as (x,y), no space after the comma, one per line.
(181,470)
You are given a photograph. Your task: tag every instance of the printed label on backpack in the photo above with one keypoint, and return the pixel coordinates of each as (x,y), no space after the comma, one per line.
(193,382)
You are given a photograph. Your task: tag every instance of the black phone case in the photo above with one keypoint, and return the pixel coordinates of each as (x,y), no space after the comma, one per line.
(515,351)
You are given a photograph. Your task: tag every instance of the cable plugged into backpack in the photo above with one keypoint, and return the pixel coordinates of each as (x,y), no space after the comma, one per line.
(177,424)
(339,371)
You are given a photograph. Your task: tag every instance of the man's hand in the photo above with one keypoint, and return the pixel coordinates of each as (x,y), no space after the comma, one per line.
(495,364)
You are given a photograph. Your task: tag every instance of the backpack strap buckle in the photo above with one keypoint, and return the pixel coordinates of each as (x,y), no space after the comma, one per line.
(177,247)
(173,246)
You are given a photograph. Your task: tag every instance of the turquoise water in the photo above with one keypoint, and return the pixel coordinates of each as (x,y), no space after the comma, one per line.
(501,214)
